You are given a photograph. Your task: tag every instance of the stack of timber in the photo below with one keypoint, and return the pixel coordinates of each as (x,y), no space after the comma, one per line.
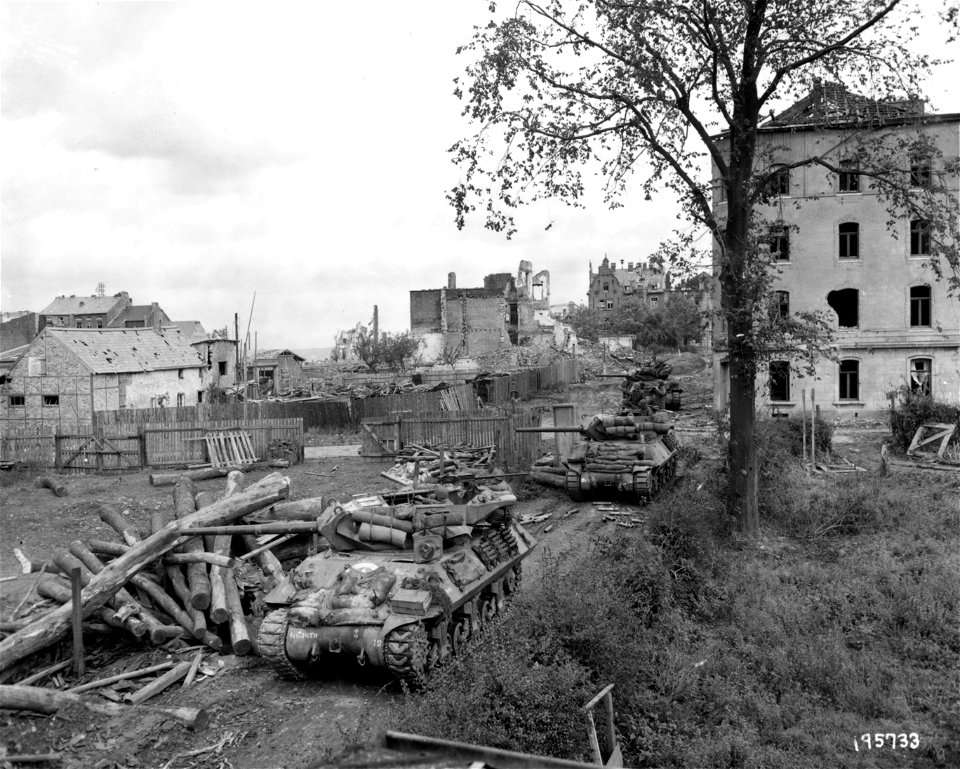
(176,586)
(427,464)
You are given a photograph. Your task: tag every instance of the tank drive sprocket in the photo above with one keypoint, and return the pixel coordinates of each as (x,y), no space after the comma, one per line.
(406,651)
(271,642)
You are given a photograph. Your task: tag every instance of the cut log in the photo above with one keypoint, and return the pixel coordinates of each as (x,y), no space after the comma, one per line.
(37,699)
(111,516)
(239,635)
(308,509)
(136,614)
(57,486)
(54,625)
(220,546)
(267,561)
(115,548)
(204,499)
(234,483)
(184,506)
(61,593)
(155,687)
(549,479)
(121,677)
(170,479)
(179,584)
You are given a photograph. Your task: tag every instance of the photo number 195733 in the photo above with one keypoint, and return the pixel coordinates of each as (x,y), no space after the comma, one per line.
(889,740)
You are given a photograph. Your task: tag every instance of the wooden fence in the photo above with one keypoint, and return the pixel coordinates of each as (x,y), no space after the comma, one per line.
(314,413)
(503,388)
(127,446)
(383,436)
(456,398)
(181,443)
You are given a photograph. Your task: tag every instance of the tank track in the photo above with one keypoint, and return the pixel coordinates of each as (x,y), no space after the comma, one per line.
(271,643)
(405,652)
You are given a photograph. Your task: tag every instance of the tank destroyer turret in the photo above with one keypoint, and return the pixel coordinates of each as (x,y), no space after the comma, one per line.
(402,586)
(648,387)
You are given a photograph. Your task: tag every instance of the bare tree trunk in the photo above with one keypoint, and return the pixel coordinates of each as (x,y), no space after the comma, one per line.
(742,456)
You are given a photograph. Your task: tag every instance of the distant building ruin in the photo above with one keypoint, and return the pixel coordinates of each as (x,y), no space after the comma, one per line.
(507,311)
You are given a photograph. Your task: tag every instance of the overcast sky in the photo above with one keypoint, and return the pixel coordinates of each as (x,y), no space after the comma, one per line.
(193,153)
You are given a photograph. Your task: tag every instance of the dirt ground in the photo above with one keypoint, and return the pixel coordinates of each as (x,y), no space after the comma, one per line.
(257,719)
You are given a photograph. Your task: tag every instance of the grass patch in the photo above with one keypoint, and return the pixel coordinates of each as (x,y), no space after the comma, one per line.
(841,621)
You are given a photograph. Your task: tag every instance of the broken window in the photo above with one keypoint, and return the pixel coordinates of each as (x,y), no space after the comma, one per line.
(51,400)
(16,400)
(181,398)
(844,302)
(199,396)
(779,183)
(779,244)
(920,172)
(919,237)
(782,299)
(920,305)
(921,370)
(849,380)
(99,322)
(849,240)
(849,176)
(222,368)
(79,324)
(779,380)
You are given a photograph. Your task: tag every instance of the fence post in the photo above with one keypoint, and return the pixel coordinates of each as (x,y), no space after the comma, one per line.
(57,458)
(142,434)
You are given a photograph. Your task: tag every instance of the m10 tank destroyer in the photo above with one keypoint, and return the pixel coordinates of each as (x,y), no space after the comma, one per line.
(403,586)
(648,388)
(623,454)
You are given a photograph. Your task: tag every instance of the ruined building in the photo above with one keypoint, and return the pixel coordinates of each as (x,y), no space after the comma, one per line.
(506,311)
(835,251)
(610,288)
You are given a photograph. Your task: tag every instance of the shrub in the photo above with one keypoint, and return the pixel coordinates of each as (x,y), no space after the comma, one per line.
(915,410)
(779,441)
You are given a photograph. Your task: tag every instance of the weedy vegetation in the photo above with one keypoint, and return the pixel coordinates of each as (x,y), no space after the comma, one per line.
(841,620)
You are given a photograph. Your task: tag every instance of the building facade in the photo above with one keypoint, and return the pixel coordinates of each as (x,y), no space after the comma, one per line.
(611,289)
(508,310)
(67,373)
(836,249)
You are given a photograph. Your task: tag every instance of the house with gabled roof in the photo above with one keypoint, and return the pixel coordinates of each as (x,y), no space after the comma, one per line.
(276,370)
(66,374)
(84,311)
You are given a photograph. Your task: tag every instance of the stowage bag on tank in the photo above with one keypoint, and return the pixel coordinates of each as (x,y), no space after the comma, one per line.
(461,570)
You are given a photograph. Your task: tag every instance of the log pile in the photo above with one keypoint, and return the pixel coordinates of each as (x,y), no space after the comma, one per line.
(423,465)
(174,582)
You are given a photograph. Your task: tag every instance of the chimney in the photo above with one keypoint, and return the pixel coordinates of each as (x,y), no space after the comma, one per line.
(155,315)
(629,265)
(451,280)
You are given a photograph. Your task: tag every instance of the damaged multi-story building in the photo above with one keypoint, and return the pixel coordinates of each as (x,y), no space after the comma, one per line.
(837,249)
(636,283)
(508,310)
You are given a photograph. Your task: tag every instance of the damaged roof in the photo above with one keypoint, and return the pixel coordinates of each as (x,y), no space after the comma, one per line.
(81,305)
(127,350)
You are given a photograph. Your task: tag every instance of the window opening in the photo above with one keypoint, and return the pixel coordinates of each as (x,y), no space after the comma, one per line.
(783,303)
(919,237)
(920,305)
(180,399)
(779,380)
(16,400)
(780,244)
(606,286)
(849,380)
(222,368)
(849,240)
(849,176)
(920,172)
(921,370)
(844,302)
(779,183)
(199,396)
(51,400)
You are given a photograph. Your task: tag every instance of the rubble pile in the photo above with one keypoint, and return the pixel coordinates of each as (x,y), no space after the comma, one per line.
(319,391)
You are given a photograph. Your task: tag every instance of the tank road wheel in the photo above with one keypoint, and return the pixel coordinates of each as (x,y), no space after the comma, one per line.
(511,580)
(573,486)
(407,652)
(488,610)
(271,643)
(459,634)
